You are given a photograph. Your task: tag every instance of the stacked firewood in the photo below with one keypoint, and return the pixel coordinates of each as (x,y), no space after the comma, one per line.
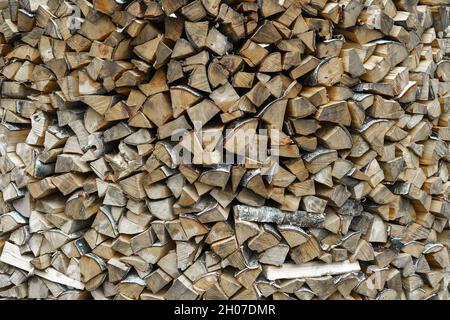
(221,149)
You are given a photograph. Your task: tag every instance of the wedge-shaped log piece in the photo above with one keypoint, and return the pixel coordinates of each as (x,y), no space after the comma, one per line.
(253,52)
(133,186)
(217,42)
(394,52)
(293,235)
(352,62)
(350,12)
(376,69)
(336,138)
(202,112)
(273,113)
(336,112)
(385,109)
(241,132)
(182,98)
(319,159)
(328,72)
(158,109)
(162,209)
(148,50)
(267,33)
(375,18)
(81,206)
(217,177)
(173,128)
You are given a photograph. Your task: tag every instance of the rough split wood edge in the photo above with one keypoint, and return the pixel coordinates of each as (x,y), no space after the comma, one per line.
(349,98)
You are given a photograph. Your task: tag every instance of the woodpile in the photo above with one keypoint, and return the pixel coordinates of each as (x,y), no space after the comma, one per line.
(131,136)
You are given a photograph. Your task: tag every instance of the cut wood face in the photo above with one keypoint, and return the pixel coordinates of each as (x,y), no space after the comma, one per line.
(207,149)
